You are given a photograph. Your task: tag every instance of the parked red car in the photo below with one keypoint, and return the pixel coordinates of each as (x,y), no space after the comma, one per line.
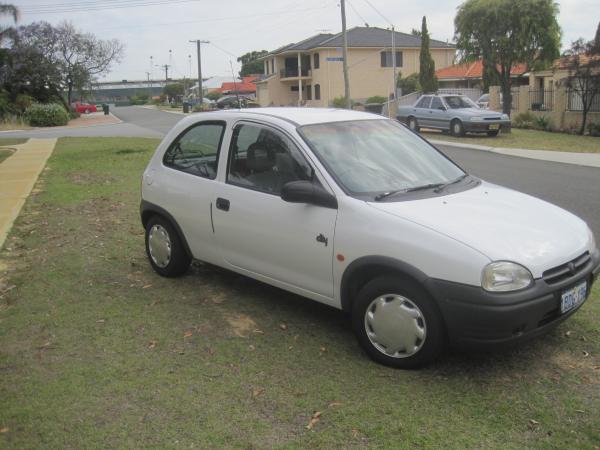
(84,108)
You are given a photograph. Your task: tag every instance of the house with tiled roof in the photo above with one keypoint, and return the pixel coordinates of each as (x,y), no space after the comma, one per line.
(470,75)
(245,86)
(310,72)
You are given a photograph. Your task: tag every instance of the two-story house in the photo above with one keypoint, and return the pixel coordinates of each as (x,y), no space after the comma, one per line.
(310,72)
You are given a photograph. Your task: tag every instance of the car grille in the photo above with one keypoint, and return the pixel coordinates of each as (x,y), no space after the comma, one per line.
(567,270)
(491,118)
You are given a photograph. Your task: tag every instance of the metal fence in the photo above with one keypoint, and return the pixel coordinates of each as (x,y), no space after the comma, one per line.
(472,93)
(541,99)
(575,102)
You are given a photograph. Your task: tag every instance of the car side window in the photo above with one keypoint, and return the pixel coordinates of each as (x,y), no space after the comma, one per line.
(196,151)
(264,160)
(424,102)
(436,103)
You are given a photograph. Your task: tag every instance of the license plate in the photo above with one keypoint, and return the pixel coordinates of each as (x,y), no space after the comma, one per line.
(573,297)
(494,126)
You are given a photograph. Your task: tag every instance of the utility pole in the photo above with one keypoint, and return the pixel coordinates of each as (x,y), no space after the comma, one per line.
(345,56)
(200,92)
(394,73)
(166,67)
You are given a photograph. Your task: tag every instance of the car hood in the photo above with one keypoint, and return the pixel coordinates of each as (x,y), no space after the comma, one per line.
(500,223)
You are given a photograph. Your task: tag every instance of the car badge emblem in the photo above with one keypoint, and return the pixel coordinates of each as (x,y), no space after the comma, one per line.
(571,268)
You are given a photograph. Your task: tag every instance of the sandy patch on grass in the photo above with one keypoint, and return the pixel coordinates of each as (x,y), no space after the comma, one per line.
(241,324)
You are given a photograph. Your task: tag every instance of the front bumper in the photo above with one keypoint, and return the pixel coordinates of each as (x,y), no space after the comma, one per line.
(476,318)
(484,125)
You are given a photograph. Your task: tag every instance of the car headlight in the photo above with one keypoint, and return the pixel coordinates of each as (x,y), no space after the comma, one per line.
(592,240)
(476,119)
(505,117)
(504,276)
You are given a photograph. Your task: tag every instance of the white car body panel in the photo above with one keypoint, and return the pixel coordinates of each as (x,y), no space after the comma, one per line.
(503,224)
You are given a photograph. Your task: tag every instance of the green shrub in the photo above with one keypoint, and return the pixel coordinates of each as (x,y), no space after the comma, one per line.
(214,95)
(22,103)
(524,120)
(49,115)
(594,129)
(73,114)
(409,84)
(376,99)
(340,102)
(542,123)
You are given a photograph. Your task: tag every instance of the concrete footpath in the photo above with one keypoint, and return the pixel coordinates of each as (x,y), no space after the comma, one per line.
(18,174)
(579,159)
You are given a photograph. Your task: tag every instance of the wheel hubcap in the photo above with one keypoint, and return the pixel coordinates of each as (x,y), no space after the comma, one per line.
(395,326)
(159,245)
(456,128)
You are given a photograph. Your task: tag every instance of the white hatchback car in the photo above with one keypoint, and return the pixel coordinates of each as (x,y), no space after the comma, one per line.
(355,211)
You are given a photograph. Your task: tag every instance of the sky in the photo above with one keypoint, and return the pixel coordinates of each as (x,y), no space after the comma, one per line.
(163,28)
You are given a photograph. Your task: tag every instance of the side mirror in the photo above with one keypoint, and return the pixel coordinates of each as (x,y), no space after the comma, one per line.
(307,192)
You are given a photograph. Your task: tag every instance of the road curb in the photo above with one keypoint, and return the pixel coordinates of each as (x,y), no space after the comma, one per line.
(577,159)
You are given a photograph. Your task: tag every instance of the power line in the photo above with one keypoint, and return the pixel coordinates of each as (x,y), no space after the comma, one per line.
(357,13)
(54,9)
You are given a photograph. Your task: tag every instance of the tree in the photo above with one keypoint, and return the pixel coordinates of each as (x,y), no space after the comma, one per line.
(582,61)
(415,32)
(489,75)
(427,65)
(173,90)
(78,57)
(506,32)
(250,65)
(8,33)
(409,84)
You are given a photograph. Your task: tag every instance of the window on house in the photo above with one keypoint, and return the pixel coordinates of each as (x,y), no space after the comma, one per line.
(309,92)
(386,59)
(273,65)
(316,60)
(317,92)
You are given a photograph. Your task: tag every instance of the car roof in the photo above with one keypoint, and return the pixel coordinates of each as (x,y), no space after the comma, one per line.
(305,116)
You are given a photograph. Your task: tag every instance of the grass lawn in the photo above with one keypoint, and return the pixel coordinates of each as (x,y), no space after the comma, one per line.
(6,152)
(529,139)
(96,351)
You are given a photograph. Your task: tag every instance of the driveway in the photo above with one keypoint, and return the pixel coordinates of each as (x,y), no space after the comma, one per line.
(575,188)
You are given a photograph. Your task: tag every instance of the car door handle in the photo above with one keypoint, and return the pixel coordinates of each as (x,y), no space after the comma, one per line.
(223,204)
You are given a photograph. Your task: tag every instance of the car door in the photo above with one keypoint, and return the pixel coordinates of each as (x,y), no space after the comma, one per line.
(422,111)
(185,187)
(258,232)
(437,114)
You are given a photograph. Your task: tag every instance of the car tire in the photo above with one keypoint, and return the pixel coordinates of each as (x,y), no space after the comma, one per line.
(493,133)
(165,249)
(412,123)
(387,302)
(456,128)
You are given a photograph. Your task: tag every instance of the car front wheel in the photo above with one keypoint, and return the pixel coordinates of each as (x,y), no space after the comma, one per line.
(397,324)
(164,248)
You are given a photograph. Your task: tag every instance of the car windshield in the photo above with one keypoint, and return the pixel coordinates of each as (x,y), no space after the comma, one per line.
(370,157)
(459,101)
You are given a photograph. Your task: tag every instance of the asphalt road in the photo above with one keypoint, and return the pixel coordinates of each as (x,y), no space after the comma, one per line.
(574,188)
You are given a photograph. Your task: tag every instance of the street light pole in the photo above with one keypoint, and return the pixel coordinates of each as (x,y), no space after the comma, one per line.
(198,42)
(345,56)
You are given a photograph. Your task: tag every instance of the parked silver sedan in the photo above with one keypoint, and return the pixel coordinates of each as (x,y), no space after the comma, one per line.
(455,113)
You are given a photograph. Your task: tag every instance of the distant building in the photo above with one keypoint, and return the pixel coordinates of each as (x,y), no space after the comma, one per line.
(310,72)
(121,91)
(470,75)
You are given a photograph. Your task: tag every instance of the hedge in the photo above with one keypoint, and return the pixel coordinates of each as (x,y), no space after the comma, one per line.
(49,115)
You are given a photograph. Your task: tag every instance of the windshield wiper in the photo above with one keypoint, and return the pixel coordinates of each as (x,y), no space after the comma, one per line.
(443,186)
(383,195)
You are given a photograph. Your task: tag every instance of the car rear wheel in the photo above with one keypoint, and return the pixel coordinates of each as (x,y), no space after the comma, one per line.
(164,248)
(457,128)
(413,124)
(493,133)
(397,323)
